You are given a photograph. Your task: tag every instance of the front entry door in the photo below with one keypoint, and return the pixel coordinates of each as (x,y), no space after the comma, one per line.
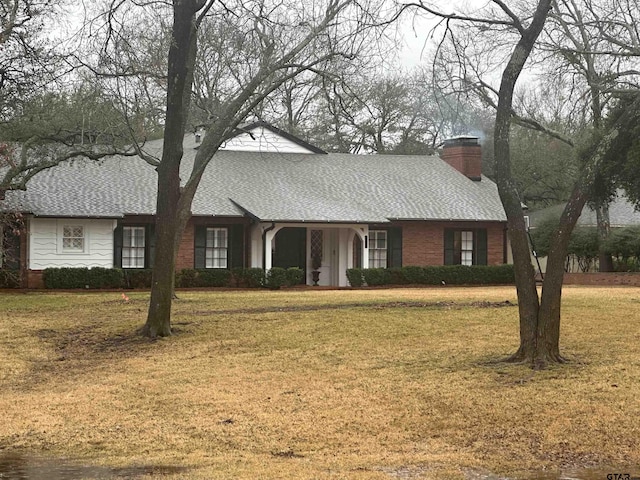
(290,247)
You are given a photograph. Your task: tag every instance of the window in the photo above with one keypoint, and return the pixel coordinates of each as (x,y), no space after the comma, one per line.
(465,247)
(73,238)
(133,247)
(316,249)
(216,248)
(377,249)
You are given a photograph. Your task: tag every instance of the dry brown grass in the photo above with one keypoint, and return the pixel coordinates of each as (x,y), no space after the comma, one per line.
(320,384)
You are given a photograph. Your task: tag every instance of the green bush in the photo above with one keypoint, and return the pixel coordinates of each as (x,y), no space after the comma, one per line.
(276,278)
(433,275)
(376,276)
(396,276)
(186,278)
(213,277)
(99,277)
(247,277)
(9,278)
(203,277)
(72,278)
(355,277)
(294,276)
(137,277)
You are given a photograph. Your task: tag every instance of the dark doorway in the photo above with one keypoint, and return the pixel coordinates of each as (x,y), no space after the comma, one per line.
(291,249)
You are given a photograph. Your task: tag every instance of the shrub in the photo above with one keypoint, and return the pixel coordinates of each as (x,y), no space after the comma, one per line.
(72,278)
(247,277)
(99,277)
(213,277)
(9,278)
(65,277)
(434,275)
(355,277)
(186,278)
(376,276)
(137,277)
(276,278)
(294,276)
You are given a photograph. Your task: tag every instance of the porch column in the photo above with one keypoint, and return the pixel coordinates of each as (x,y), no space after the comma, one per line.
(268,253)
(344,250)
(364,261)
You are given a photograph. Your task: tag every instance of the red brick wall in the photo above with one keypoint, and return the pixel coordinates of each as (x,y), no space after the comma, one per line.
(186,249)
(604,279)
(33,279)
(423,242)
(466,159)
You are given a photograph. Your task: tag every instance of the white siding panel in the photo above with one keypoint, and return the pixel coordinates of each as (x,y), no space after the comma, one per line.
(265,141)
(45,244)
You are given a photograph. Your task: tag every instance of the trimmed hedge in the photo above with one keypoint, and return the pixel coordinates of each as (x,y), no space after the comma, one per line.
(203,277)
(97,277)
(137,277)
(355,277)
(295,276)
(433,275)
(247,277)
(71,278)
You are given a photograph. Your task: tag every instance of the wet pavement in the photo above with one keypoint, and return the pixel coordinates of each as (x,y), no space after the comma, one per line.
(16,466)
(566,474)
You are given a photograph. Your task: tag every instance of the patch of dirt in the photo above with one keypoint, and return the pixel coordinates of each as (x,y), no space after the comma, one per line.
(340,306)
(288,453)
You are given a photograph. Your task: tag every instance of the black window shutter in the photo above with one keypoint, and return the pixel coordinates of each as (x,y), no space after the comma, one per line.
(200,245)
(394,247)
(236,246)
(480,247)
(150,243)
(449,249)
(117,246)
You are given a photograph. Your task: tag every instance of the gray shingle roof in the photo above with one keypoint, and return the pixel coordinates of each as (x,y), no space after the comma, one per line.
(622,213)
(271,187)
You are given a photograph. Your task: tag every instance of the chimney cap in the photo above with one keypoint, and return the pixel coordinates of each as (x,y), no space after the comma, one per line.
(462,140)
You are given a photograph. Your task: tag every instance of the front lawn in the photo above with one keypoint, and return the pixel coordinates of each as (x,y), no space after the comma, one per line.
(398,383)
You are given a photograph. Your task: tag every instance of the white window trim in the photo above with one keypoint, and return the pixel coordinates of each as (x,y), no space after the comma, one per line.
(470,251)
(143,247)
(213,248)
(60,236)
(372,250)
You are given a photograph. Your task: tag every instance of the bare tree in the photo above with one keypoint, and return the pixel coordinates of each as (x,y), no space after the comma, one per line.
(225,59)
(514,33)
(386,113)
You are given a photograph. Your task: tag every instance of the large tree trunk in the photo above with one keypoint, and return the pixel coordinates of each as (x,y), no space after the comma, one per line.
(525,275)
(544,347)
(170,210)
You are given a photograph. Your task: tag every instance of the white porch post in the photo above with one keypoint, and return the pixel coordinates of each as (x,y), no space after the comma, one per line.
(268,254)
(344,250)
(365,247)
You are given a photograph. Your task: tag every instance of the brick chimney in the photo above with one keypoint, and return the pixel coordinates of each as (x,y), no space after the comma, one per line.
(463,153)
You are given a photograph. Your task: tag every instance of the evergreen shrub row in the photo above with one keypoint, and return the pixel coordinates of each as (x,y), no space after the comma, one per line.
(97,277)
(432,275)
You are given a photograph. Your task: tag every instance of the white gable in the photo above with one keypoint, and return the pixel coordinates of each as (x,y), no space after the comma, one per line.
(264,141)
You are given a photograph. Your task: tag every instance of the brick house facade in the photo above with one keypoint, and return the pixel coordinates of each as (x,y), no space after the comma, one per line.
(282,205)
